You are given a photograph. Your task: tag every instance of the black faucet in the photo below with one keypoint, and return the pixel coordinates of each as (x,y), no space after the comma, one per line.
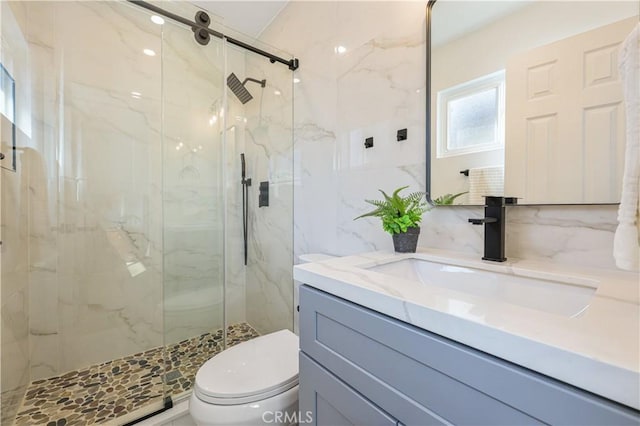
(494,225)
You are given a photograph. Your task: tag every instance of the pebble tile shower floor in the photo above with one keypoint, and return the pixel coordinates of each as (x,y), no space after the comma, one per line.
(101,393)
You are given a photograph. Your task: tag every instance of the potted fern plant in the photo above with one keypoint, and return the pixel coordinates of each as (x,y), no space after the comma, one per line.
(400,217)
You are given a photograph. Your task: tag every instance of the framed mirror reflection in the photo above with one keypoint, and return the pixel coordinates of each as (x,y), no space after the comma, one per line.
(526,99)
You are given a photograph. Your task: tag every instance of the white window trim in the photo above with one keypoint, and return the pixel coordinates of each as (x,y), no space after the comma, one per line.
(495,81)
(9,97)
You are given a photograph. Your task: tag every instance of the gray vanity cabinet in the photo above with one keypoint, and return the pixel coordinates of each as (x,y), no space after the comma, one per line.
(335,403)
(360,367)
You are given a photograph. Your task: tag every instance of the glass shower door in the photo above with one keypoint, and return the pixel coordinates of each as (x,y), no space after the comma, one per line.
(193,229)
(89,162)
(212,300)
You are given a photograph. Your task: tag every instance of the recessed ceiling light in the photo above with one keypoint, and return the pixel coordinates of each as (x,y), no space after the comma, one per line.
(157,20)
(296,80)
(277,92)
(340,49)
(149,52)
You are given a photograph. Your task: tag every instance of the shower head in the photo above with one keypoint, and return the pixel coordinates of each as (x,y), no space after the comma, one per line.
(238,89)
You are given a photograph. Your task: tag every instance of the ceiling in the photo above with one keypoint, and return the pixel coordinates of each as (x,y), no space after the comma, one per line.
(249,17)
(453,18)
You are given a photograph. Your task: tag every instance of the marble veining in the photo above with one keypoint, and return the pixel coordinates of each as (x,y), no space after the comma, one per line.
(596,349)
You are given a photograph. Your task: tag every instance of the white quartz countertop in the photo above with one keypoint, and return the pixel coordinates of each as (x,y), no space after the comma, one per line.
(598,350)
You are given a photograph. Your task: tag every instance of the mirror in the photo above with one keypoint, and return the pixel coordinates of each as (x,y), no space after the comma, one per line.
(525,100)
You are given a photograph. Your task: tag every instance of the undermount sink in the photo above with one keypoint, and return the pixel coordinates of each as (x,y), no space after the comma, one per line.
(557,297)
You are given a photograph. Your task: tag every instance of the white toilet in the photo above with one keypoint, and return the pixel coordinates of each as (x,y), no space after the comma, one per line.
(252,383)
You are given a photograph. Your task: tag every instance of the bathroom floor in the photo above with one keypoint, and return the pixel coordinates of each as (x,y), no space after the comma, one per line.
(103,392)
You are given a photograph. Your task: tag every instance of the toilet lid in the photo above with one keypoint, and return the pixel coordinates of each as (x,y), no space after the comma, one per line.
(250,371)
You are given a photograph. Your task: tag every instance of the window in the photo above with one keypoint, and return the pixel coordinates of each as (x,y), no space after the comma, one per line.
(7,94)
(7,120)
(471,116)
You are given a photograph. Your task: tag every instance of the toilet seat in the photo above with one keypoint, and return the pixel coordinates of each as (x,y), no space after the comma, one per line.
(250,371)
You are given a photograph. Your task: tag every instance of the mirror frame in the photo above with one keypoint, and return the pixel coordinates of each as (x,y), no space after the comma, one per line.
(429,125)
(427,189)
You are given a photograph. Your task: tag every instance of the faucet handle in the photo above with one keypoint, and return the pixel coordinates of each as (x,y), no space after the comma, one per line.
(483,220)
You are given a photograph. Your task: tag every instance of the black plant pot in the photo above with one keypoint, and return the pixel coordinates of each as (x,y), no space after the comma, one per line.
(406,242)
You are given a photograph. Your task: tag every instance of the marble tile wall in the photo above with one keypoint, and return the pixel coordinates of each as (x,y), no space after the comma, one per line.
(374,87)
(269,144)
(14,282)
(98,265)
(120,170)
(14,297)
(192,183)
(235,144)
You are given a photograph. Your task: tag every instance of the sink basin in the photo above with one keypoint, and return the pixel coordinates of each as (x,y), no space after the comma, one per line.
(568,299)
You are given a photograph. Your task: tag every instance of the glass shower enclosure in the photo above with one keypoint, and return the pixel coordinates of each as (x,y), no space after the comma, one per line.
(122,264)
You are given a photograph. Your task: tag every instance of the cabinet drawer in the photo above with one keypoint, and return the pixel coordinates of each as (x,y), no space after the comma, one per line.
(421,378)
(332,402)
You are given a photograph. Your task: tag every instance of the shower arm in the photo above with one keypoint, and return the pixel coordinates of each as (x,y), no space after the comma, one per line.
(262,83)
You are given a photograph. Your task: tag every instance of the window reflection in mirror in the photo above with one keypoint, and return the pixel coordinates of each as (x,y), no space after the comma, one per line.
(7,119)
(563,101)
(471,116)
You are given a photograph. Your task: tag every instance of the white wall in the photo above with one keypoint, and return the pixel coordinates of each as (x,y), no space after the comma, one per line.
(373,89)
